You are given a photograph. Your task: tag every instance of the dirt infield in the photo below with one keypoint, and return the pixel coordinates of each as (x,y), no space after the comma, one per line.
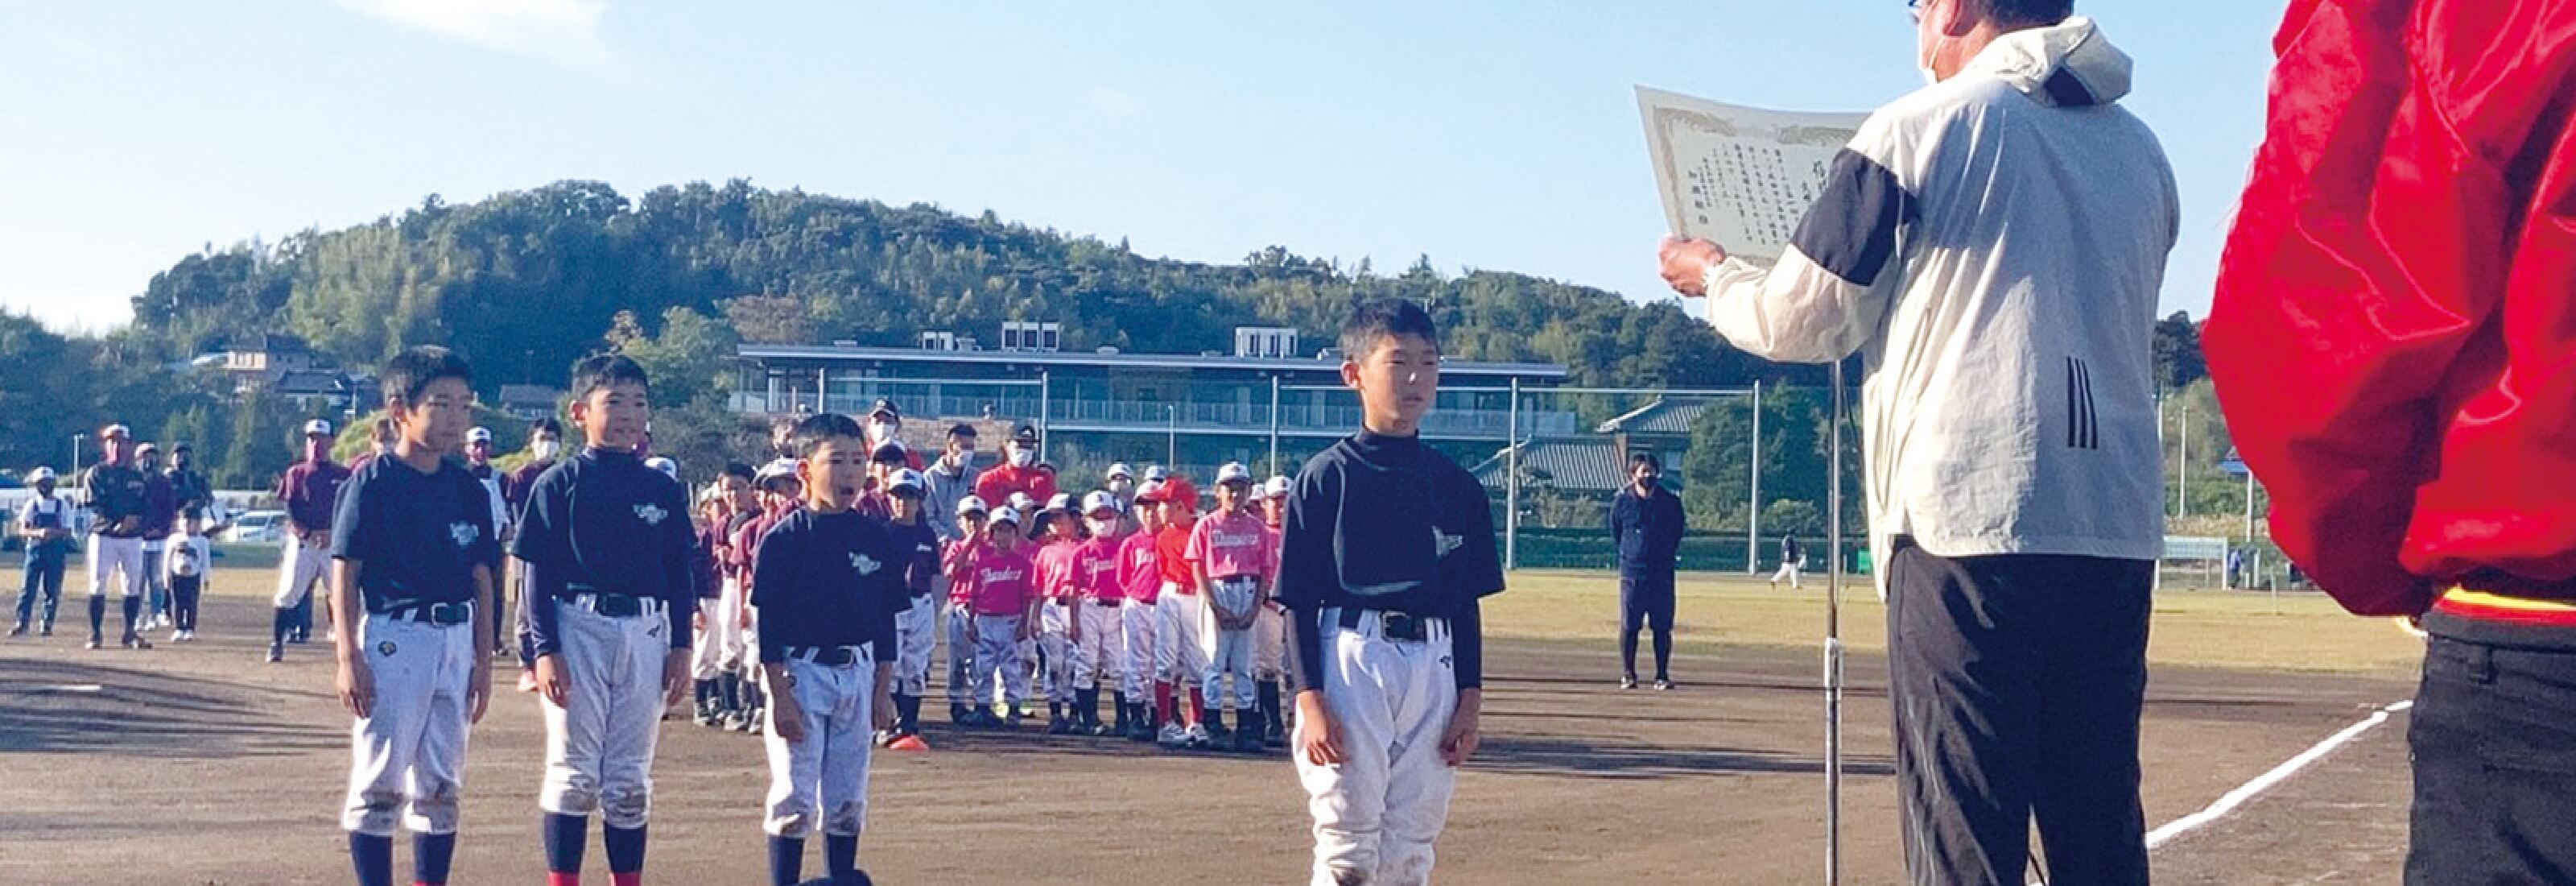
(198,764)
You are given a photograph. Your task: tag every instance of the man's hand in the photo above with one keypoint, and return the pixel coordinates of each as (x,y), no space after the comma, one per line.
(357,685)
(698,620)
(786,720)
(1028,630)
(1318,738)
(552,682)
(1686,262)
(675,677)
(129,524)
(1459,741)
(478,689)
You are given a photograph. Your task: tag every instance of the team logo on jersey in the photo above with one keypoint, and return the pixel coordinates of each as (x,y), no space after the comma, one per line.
(1001,575)
(1445,543)
(927,549)
(652,514)
(864,564)
(385,648)
(464,533)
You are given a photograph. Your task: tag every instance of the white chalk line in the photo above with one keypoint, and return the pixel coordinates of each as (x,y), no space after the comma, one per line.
(2227,804)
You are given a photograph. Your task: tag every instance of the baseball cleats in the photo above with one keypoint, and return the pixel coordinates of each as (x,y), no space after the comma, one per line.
(18,630)
(93,643)
(276,653)
(1196,738)
(1628,682)
(1172,736)
(1664,684)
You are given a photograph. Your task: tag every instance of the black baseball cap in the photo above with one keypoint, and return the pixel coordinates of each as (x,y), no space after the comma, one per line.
(1025,434)
(885,407)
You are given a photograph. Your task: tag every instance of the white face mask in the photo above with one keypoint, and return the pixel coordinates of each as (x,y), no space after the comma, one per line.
(545,450)
(1925,46)
(880,430)
(1023,457)
(1103,527)
(964,458)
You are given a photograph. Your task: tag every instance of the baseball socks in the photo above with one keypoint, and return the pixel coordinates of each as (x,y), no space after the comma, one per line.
(565,835)
(786,861)
(373,858)
(841,859)
(1162,702)
(431,855)
(625,854)
(97,619)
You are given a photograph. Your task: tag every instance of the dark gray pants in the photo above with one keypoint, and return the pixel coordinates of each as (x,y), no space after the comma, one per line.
(2494,740)
(2017,681)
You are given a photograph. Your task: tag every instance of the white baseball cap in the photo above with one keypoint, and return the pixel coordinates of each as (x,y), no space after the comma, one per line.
(906,479)
(1277,487)
(1099,500)
(116,431)
(1233,472)
(1150,493)
(1020,501)
(479,435)
(1007,515)
(668,467)
(971,505)
(1119,470)
(40,475)
(772,471)
(1063,501)
(1155,474)
(317,426)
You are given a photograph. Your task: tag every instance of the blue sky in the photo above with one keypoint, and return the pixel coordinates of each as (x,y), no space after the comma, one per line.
(1495,135)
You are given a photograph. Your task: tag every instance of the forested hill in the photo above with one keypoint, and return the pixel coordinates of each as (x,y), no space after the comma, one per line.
(527,281)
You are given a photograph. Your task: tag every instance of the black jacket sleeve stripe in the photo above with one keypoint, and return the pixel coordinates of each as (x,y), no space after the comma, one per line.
(1851,232)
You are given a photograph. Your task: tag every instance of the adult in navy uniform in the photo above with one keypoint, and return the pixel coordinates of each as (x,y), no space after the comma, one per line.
(1646,523)
(116,491)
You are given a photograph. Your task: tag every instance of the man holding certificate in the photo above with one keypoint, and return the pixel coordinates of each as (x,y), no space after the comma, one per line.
(1992,246)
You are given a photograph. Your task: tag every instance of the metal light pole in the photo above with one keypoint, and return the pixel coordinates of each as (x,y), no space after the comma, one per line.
(1512,483)
(1046,404)
(1172,422)
(1834,641)
(77,440)
(1274,425)
(1753,508)
(2182,465)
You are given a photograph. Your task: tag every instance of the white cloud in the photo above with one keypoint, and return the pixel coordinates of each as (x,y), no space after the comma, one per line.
(563,31)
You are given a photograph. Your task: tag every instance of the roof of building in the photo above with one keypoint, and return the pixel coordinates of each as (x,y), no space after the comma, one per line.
(1568,465)
(269,342)
(1118,360)
(312,381)
(1663,417)
(530,395)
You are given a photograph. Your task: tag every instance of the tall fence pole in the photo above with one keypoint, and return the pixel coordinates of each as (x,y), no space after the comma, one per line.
(1834,640)
(1753,507)
(1274,425)
(1512,483)
(1046,404)
(2182,466)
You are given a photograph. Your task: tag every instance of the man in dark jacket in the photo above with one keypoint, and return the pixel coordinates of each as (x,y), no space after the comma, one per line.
(1646,523)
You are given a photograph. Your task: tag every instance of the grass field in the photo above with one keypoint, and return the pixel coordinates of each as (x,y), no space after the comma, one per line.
(194,763)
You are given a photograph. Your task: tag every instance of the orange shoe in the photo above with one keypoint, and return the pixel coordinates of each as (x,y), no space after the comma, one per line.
(909,743)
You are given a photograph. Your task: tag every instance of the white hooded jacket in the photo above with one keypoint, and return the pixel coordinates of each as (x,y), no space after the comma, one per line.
(1992,246)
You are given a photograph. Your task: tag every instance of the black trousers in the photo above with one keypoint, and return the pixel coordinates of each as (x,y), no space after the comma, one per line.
(2017,681)
(183,601)
(1646,600)
(2494,739)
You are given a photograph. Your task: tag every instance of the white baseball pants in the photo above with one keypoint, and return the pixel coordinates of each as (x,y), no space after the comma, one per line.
(1139,623)
(823,780)
(961,654)
(599,744)
(407,756)
(122,556)
(1377,813)
(1183,651)
(719,645)
(1096,659)
(1055,640)
(297,571)
(1000,676)
(916,630)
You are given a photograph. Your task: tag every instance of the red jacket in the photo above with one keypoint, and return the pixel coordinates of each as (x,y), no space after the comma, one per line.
(2394,333)
(996,485)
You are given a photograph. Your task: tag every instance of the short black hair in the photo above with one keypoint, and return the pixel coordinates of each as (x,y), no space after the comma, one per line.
(409,374)
(192,512)
(2031,12)
(182,447)
(815,430)
(606,370)
(1383,318)
(962,429)
(1039,522)
(1645,458)
(738,469)
(546,425)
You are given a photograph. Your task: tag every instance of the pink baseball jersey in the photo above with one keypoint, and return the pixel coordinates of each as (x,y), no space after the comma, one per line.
(1001,582)
(1095,569)
(1140,568)
(1233,546)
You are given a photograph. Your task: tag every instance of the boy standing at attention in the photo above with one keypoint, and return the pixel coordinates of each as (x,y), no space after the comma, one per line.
(612,588)
(827,582)
(1001,584)
(916,548)
(1140,578)
(1096,627)
(411,537)
(953,557)
(1388,545)
(1232,563)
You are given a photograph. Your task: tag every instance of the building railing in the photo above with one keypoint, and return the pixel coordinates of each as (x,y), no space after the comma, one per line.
(1313,415)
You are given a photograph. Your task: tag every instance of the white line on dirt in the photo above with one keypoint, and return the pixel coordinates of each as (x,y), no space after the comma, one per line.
(2228,803)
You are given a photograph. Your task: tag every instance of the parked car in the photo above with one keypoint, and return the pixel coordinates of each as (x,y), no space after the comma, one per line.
(259,528)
